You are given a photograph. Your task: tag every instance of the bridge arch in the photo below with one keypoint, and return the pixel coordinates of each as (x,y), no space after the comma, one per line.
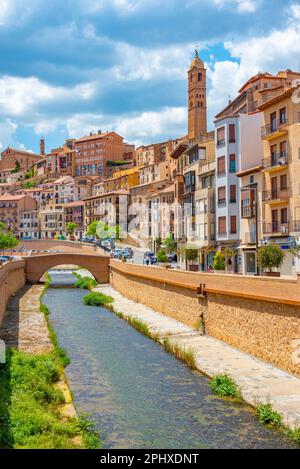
(36,266)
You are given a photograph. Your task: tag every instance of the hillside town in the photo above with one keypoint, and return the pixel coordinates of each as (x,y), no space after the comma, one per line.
(228,190)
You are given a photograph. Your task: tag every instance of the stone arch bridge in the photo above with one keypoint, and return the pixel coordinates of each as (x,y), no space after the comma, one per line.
(96,264)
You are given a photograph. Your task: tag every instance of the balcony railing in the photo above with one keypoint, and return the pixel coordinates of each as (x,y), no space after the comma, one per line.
(221,202)
(275,194)
(248,211)
(221,143)
(276,227)
(273,127)
(276,159)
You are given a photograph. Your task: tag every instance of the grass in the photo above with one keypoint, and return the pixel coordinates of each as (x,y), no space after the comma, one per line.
(97,299)
(224,386)
(185,354)
(29,405)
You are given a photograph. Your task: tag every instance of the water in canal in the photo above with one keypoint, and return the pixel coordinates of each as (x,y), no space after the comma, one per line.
(138,395)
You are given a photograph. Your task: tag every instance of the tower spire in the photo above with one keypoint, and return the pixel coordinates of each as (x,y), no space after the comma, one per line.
(197,127)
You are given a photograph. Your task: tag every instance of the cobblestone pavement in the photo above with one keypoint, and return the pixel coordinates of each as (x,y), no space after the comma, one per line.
(259,381)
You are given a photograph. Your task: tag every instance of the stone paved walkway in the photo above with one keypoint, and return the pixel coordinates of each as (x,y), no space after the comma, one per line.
(259,381)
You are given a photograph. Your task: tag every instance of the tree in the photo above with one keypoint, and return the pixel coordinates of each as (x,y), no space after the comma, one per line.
(102,231)
(219,261)
(270,257)
(17,167)
(191,254)
(7,240)
(170,244)
(158,242)
(71,227)
(92,229)
(229,254)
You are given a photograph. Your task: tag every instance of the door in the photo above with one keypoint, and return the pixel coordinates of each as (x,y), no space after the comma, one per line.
(274,188)
(275,221)
(250,263)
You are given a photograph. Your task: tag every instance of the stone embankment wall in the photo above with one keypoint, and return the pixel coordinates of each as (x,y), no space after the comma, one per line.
(12,278)
(257,315)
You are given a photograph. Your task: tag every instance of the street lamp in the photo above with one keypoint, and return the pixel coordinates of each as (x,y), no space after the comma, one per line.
(253,188)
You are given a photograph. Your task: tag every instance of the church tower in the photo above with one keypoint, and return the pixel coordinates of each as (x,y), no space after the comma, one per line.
(197,99)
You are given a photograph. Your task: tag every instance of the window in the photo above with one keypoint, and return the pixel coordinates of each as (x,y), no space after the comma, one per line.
(282,116)
(221,136)
(284,216)
(222,195)
(233,194)
(231,133)
(233,229)
(221,166)
(251,179)
(232,164)
(222,226)
(283,182)
(199,76)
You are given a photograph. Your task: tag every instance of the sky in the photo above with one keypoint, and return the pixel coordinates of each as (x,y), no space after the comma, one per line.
(75,66)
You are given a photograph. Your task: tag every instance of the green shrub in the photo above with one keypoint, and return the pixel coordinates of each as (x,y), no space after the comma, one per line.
(162,256)
(97,299)
(219,261)
(267,415)
(224,386)
(191,254)
(85,283)
(270,257)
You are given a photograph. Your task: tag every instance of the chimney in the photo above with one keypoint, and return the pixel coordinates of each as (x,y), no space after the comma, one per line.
(42,146)
(99,132)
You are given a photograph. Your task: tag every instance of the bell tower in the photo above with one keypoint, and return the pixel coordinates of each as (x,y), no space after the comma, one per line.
(197,107)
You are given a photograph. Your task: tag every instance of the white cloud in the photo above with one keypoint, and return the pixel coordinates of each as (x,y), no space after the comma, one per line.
(7,133)
(278,50)
(137,128)
(4,11)
(243,6)
(122,6)
(19,96)
(13,12)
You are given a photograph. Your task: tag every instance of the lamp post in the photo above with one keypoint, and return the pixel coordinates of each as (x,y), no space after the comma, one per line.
(253,188)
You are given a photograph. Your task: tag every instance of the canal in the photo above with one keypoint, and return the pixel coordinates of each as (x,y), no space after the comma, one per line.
(138,395)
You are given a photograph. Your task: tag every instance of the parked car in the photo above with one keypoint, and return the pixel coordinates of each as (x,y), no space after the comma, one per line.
(172,257)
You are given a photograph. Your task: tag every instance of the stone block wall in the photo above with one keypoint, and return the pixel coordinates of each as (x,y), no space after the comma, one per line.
(265,329)
(12,278)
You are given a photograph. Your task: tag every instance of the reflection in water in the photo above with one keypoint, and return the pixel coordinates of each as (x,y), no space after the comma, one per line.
(138,395)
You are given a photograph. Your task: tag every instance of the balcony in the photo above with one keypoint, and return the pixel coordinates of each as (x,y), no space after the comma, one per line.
(274,129)
(250,237)
(221,202)
(276,160)
(276,228)
(276,196)
(248,211)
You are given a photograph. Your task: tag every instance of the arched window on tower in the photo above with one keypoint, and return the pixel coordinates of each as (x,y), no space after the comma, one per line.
(198,104)
(199,76)
(201,104)
(191,77)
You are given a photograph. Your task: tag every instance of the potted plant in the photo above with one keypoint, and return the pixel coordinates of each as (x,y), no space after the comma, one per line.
(71,227)
(191,255)
(219,263)
(270,257)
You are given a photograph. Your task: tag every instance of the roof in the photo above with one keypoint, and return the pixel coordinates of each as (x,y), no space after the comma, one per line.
(64,179)
(9,197)
(75,204)
(278,98)
(179,150)
(21,152)
(96,136)
(197,62)
(255,169)
(116,192)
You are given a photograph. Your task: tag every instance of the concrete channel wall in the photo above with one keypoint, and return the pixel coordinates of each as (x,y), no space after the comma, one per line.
(12,278)
(260,316)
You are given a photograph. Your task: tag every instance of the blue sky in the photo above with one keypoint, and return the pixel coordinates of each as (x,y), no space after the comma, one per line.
(68,68)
